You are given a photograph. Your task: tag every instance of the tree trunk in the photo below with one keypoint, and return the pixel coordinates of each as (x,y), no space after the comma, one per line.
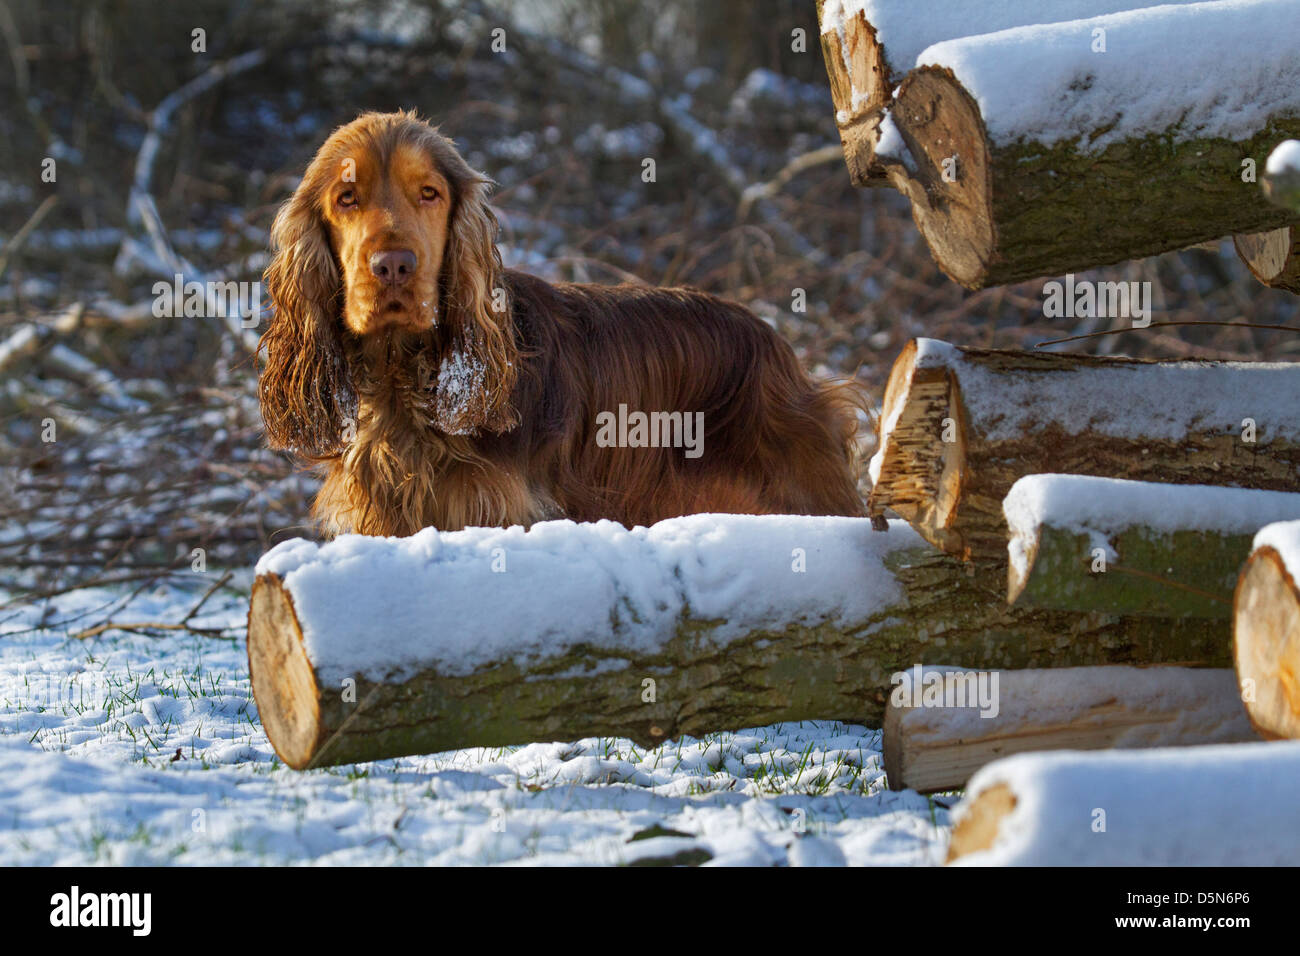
(697,638)
(1131,547)
(1007,414)
(933,748)
(1272,257)
(1266,643)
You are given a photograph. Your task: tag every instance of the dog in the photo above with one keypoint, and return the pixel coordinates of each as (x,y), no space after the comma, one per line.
(435,388)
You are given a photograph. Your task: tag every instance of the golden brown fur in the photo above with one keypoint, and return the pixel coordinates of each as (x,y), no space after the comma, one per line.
(462,393)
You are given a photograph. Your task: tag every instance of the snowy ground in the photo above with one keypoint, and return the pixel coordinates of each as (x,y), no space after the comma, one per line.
(132,749)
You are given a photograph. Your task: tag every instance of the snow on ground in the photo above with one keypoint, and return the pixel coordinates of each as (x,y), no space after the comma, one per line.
(131,749)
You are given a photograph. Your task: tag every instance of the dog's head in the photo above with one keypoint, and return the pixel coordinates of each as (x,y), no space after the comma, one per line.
(389,233)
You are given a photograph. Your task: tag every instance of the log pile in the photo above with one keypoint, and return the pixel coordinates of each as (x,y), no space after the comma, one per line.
(960,426)
(1003,191)
(697,625)
(1102,486)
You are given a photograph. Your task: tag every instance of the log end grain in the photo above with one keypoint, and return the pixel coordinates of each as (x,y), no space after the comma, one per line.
(1266,645)
(1272,257)
(922,450)
(977,829)
(284,684)
(950,185)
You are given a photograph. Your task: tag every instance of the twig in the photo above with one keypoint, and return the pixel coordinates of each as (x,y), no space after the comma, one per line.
(1165,325)
(15,244)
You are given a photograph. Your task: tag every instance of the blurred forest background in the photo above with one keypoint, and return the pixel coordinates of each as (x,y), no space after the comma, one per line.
(163,155)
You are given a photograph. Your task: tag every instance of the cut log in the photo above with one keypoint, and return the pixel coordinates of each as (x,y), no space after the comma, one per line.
(960,426)
(366,648)
(944,724)
(1081,543)
(1266,632)
(868,46)
(1272,257)
(1006,187)
(1225,805)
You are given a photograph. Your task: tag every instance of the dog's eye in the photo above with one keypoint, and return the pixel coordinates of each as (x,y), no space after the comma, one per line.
(428,193)
(347,198)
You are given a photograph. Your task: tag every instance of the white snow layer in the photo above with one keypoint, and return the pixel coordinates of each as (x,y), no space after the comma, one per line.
(1224,805)
(1284,159)
(905,29)
(457,601)
(1200,70)
(1284,538)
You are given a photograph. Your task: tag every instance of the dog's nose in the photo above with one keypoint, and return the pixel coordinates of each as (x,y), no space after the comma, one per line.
(393,266)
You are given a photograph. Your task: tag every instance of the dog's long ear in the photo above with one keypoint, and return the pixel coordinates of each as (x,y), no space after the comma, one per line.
(480,364)
(306,390)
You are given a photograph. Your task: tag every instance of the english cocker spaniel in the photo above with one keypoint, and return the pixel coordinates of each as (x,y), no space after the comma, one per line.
(437,388)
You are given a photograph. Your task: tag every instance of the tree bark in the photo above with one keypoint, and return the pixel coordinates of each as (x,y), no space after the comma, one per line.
(1272,257)
(692,681)
(1009,414)
(934,748)
(1266,644)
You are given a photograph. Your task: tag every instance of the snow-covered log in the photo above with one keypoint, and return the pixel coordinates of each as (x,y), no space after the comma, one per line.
(1151,109)
(1081,543)
(1266,631)
(943,724)
(961,425)
(366,648)
(1273,257)
(1225,805)
(868,46)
